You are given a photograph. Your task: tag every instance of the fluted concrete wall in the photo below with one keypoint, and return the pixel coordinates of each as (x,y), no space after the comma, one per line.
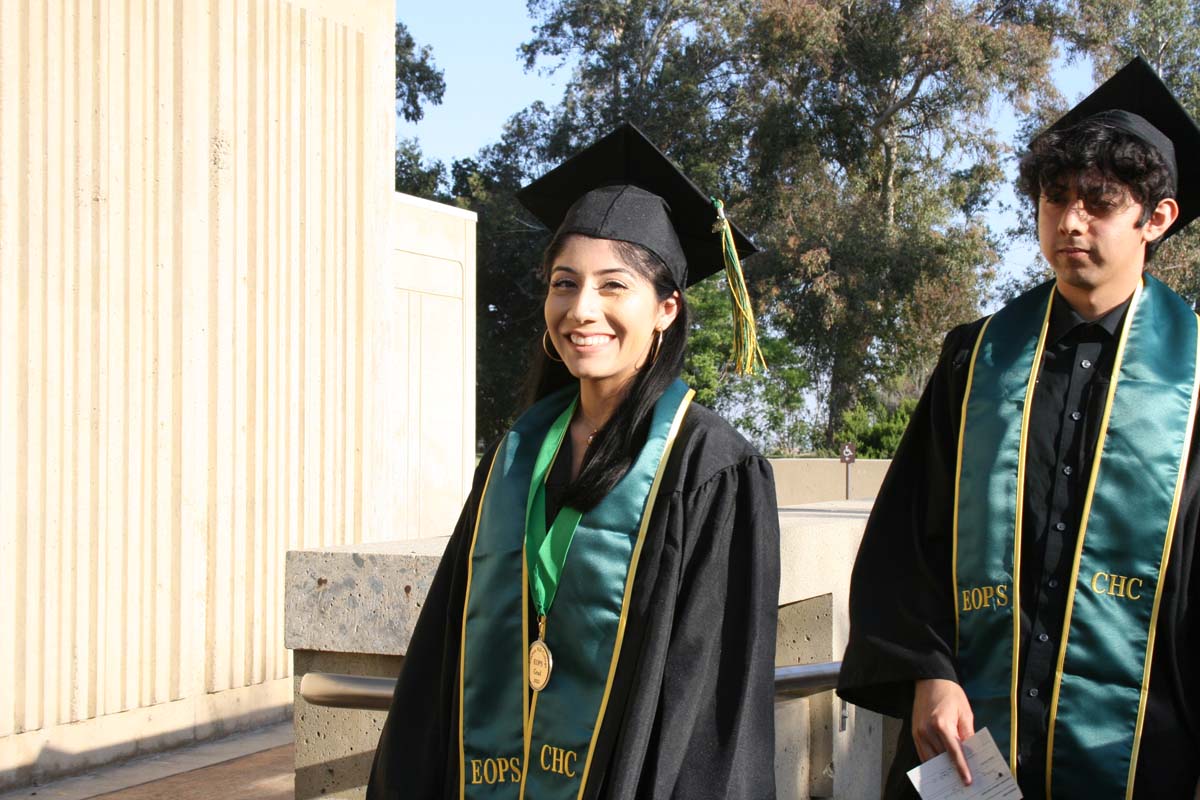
(199,354)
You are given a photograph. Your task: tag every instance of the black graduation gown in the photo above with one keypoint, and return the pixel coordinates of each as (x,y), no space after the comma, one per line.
(901,604)
(692,708)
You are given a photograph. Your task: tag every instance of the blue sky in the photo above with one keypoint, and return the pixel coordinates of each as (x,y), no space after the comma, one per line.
(475,43)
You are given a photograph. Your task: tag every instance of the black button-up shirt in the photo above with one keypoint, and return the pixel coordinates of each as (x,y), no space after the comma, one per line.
(1064,423)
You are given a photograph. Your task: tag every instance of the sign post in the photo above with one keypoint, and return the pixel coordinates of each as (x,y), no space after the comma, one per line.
(848,453)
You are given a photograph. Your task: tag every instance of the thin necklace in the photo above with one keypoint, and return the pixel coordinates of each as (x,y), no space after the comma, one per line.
(588,422)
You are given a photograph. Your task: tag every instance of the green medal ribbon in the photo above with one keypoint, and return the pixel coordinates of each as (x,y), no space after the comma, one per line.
(546,551)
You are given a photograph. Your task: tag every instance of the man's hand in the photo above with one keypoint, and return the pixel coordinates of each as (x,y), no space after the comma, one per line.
(941,719)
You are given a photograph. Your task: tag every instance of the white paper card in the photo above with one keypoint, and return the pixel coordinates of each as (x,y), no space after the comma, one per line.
(937,779)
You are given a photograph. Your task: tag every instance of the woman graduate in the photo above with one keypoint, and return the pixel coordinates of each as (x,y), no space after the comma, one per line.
(602,623)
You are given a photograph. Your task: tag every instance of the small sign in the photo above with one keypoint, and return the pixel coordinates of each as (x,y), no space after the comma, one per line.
(848,453)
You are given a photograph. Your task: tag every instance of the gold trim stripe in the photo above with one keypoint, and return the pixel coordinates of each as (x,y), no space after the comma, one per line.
(1087,510)
(1162,572)
(1019,521)
(962,431)
(528,735)
(633,564)
(526,708)
(462,645)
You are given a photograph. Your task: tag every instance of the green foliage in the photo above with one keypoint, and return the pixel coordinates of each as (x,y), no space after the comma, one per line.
(415,175)
(418,80)
(850,138)
(871,166)
(874,429)
(768,407)
(509,285)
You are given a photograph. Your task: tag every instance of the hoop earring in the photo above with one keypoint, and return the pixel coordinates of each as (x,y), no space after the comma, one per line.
(657,349)
(546,349)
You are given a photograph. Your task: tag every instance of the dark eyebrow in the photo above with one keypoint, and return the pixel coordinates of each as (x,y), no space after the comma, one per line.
(609,271)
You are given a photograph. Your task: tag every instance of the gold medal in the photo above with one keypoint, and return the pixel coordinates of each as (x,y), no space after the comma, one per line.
(540,660)
(540,664)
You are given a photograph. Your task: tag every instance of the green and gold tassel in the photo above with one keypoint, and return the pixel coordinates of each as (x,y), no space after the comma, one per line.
(746,352)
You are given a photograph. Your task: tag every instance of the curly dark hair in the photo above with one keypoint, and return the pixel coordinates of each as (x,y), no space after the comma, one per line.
(1097,160)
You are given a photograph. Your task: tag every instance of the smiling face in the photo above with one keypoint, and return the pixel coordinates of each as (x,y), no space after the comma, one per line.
(602,314)
(1095,243)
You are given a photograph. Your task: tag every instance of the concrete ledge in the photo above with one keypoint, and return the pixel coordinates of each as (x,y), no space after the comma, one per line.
(815,480)
(361,598)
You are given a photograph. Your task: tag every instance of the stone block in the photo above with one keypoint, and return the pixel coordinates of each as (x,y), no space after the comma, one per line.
(791,749)
(335,746)
(361,598)
(857,748)
(804,635)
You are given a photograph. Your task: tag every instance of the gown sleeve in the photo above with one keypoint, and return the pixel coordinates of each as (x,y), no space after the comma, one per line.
(901,597)
(713,732)
(414,757)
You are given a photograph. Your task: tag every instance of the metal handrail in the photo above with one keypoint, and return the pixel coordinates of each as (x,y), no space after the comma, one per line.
(803,680)
(347,691)
(375,694)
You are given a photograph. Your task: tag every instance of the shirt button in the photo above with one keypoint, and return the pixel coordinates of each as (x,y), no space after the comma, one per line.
(1060,526)
(1052,583)
(1043,637)
(1076,416)
(1067,470)
(1085,364)
(1033,692)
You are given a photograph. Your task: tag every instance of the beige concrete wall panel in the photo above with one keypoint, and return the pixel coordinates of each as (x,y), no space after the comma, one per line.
(441,429)
(13,366)
(192,256)
(424,325)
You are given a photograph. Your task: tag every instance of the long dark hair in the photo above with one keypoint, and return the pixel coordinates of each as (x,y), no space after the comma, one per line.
(617,444)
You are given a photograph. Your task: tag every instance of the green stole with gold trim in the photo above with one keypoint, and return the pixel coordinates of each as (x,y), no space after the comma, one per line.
(512,746)
(1128,519)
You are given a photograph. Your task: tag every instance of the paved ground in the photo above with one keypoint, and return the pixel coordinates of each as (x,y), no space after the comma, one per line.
(263,776)
(257,765)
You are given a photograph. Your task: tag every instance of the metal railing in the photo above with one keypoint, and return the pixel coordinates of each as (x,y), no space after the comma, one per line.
(375,694)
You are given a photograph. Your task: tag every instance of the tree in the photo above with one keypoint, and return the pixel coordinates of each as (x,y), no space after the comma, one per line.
(418,80)
(509,287)
(871,167)
(675,68)
(874,429)
(415,175)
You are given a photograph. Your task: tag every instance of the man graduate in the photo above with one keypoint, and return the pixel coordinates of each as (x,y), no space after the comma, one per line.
(1028,566)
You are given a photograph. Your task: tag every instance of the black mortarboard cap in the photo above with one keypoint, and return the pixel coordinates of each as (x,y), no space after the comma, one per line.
(622,187)
(1137,102)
